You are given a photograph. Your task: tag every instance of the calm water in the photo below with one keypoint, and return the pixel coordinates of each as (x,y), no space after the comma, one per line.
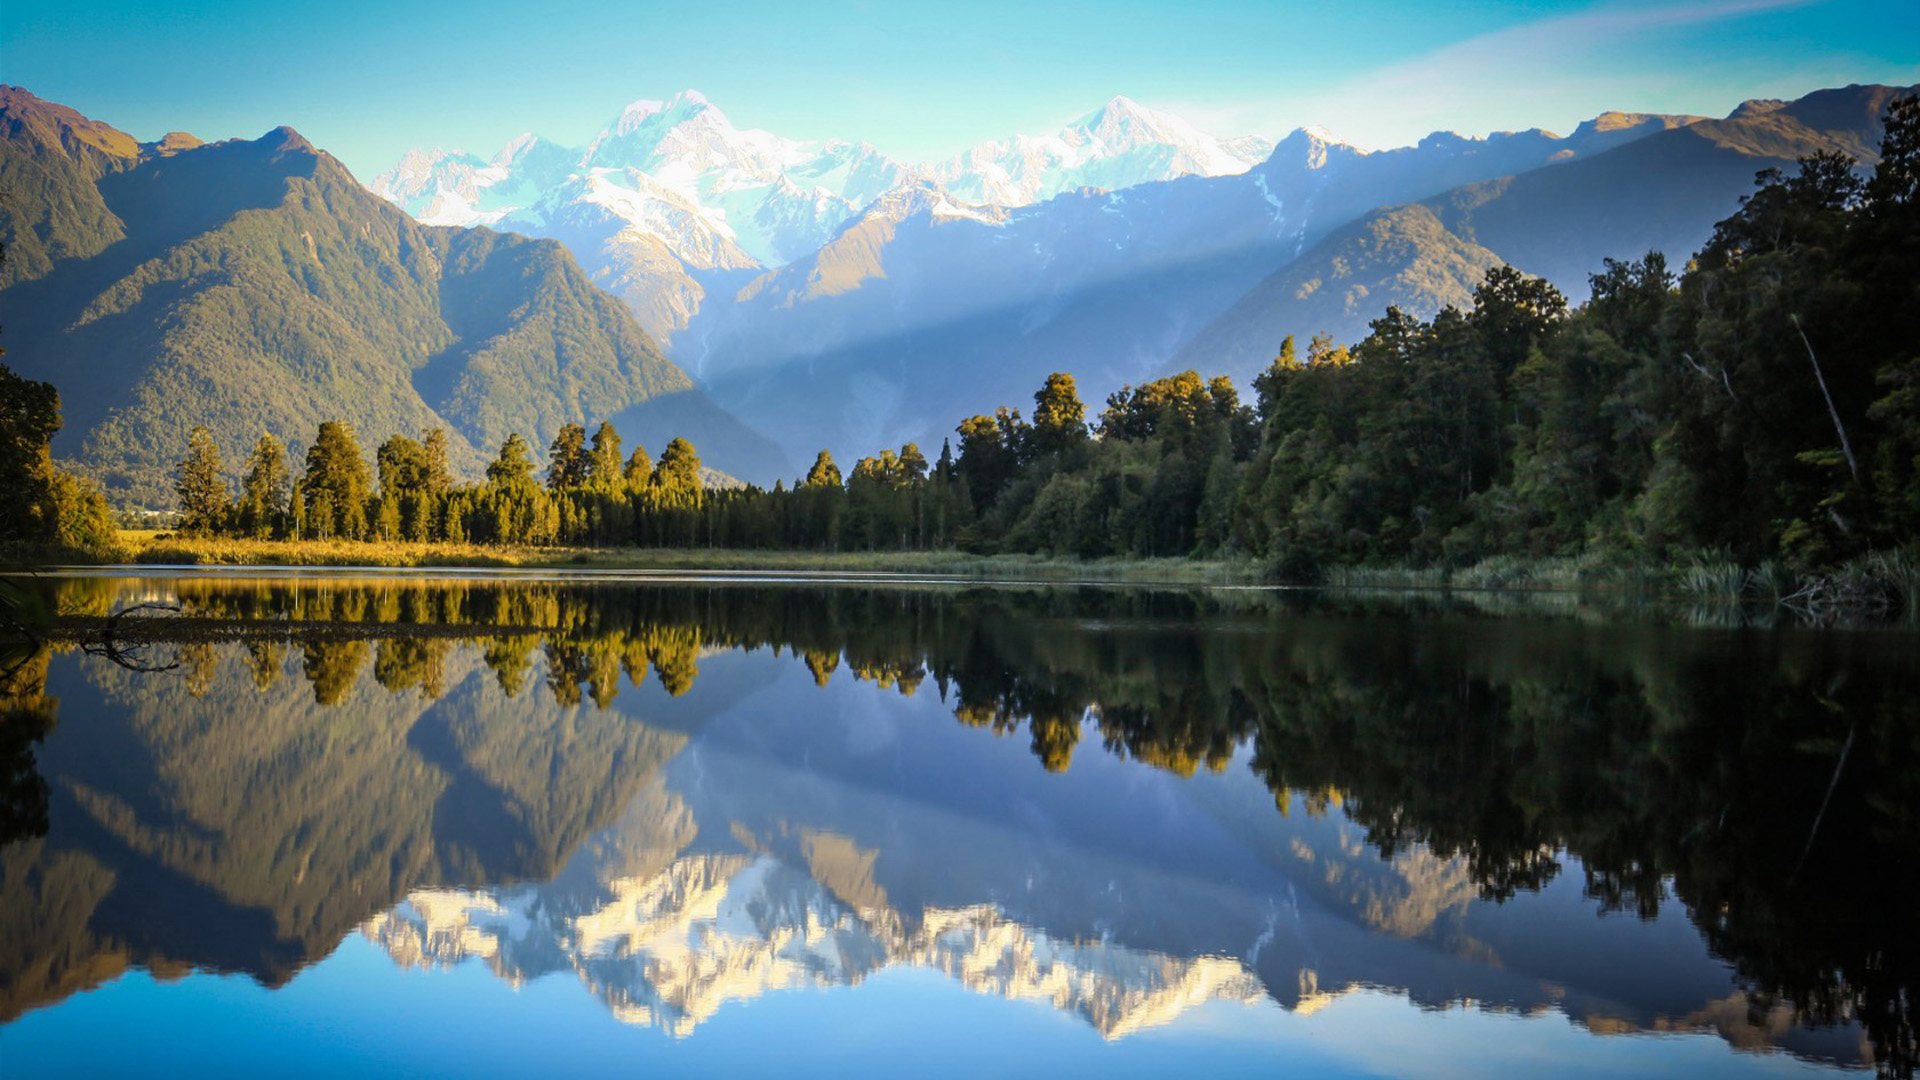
(520,827)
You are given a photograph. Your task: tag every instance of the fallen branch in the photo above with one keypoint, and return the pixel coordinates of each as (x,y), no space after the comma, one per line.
(109,646)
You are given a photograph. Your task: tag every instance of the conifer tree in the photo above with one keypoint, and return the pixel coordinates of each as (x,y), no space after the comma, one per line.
(438,477)
(201,488)
(567,462)
(603,460)
(679,468)
(336,483)
(514,466)
(824,472)
(1059,416)
(639,470)
(264,489)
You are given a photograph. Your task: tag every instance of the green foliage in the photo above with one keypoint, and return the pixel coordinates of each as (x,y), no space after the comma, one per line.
(679,468)
(823,474)
(201,488)
(336,485)
(1059,416)
(567,462)
(603,460)
(29,417)
(514,467)
(264,490)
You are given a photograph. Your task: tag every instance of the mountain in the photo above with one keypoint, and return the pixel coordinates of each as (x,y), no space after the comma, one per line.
(1119,145)
(255,286)
(670,201)
(664,202)
(1661,193)
(925,308)
(672,948)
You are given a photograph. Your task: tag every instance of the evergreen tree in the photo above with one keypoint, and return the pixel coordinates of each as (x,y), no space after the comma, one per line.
(439,476)
(263,491)
(823,474)
(201,488)
(567,461)
(403,467)
(1059,416)
(336,484)
(639,470)
(679,469)
(29,418)
(514,467)
(603,460)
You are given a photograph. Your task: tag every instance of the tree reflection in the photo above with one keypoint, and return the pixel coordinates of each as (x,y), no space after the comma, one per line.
(1763,781)
(27,714)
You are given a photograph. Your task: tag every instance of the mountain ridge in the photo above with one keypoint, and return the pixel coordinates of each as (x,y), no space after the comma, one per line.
(253,285)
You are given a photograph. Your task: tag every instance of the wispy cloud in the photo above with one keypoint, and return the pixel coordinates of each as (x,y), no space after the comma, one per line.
(1564,66)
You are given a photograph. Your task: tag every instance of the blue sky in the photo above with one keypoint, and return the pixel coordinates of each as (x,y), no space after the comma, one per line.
(367,80)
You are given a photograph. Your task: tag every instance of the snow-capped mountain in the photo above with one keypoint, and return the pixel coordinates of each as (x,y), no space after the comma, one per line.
(670,198)
(453,187)
(1119,145)
(671,949)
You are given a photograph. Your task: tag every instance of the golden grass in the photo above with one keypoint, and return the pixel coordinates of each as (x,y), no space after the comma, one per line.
(161,549)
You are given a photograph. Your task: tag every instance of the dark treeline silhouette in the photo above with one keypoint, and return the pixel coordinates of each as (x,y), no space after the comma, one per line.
(1764,403)
(1760,779)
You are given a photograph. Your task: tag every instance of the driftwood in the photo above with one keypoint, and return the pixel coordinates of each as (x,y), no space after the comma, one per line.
(108,642)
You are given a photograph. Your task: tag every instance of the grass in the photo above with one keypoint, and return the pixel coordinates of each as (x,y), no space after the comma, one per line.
(160,548)
(1704,579)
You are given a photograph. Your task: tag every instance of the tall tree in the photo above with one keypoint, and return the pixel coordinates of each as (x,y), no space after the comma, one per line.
(336,483)
(403,467)
(824,472)
(29,418)
(679,468)
(263,491)
(1059,416)
(514,466)
(567,463)
(198,483)
(639,470)
(603,460)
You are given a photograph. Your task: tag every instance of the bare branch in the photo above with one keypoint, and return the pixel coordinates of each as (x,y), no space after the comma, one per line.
(1845,447)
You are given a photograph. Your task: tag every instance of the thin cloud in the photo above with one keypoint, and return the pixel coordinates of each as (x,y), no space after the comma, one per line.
(1525,73)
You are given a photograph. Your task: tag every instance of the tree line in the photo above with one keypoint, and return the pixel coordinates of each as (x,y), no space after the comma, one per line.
(1762,402)
(593,493)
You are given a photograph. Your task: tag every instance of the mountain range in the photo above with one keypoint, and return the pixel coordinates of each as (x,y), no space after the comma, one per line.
(1125,247)
(770,297)
(670,199)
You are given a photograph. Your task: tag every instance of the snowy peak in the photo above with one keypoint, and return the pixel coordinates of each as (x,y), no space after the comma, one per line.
(1309,148)
(673,948)
(1121,144)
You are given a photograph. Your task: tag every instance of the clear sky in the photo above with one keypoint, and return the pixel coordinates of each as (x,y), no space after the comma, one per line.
(367,79)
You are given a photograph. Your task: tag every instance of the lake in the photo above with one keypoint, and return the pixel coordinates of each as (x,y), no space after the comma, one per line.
(543,823)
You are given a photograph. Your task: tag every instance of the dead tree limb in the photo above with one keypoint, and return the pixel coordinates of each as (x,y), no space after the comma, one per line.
(1845,447)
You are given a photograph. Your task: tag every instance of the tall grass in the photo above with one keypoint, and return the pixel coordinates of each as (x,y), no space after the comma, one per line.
(204,551)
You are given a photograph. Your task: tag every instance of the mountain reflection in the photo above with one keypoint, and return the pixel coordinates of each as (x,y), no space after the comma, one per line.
(525,771)
(668,947)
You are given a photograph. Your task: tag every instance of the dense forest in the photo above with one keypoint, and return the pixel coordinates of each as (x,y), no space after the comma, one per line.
(1761,404)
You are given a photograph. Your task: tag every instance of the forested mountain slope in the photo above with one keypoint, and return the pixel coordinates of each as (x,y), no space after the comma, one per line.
(257,287)
(1560,222)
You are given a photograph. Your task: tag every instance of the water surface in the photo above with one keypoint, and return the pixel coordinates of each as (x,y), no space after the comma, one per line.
(313,825)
